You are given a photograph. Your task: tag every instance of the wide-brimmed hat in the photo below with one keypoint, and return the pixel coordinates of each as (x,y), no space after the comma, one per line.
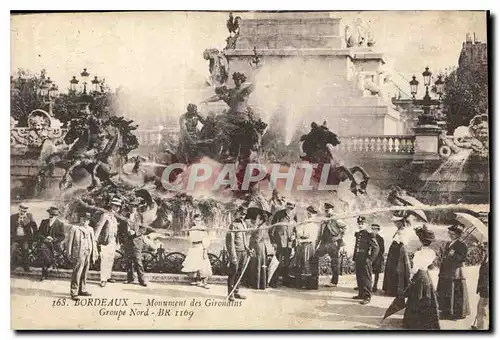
(290,204)
(457,229)
(311,209)
(328,206)
(425,235)
(23,206)
(375,226)
(253,212)
(53,210)
(361,219)
(398,216)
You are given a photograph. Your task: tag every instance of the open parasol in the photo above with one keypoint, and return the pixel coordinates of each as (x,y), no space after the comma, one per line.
(475,228)
(406,200)
(399,303)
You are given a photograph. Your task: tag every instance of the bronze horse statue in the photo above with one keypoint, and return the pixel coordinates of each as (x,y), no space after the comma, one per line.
(93,150)
(317,147)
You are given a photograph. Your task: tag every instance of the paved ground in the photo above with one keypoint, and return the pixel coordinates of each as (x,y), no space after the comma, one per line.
(35,306)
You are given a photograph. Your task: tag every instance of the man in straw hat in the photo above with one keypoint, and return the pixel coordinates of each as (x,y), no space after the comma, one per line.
(330,240)
(282,238)
(452,291)
(107,238)
(82,252)
(237,248)
(22,230)
(51,235)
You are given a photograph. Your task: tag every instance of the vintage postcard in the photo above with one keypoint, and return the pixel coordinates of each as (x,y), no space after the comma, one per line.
(250,170)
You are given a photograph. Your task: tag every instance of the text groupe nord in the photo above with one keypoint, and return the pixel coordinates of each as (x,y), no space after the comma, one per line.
(227,176)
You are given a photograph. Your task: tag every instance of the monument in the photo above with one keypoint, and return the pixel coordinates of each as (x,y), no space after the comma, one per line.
(343,73)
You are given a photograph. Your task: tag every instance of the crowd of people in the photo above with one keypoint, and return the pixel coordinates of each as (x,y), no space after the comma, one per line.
(292,260)
(297,248)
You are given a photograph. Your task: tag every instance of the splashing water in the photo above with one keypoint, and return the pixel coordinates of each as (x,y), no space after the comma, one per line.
(450,171)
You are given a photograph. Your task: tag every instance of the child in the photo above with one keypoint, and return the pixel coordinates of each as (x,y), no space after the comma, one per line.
(197,263)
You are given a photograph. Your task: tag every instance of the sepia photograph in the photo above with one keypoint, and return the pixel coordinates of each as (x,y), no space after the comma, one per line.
(250,170)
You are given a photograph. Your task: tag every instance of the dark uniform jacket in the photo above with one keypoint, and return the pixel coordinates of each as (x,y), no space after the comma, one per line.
(56,231)
(331,231)
(281,235)
(453,261)
(29,227)
(366,246)
(483,284)
(236,241)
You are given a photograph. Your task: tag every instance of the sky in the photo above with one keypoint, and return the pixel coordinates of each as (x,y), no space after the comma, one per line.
(152,53)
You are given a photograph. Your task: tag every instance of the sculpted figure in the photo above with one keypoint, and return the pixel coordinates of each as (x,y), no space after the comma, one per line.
(218,66)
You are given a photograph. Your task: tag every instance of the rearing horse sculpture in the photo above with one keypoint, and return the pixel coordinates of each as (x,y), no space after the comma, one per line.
(91,151)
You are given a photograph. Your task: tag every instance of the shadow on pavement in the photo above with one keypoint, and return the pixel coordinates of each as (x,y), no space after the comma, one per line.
(37,292)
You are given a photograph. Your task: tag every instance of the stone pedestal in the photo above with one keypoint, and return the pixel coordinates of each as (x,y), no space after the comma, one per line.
(303,64)
(426,143)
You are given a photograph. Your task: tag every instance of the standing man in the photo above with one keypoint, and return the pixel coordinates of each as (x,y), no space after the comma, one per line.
(282,238)
(82,251)
(134,244)
(330,240)
(237,247)
(22,229)
(378,263)
(107,238)
(365,252)
(51,236)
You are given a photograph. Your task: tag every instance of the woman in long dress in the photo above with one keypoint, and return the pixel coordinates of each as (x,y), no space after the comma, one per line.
(397,269)
(257,267)
(452,291)
(305,262)
(421,311)
(197,263)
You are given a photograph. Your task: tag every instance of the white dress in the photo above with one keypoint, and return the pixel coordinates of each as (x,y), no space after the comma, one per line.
(197,255)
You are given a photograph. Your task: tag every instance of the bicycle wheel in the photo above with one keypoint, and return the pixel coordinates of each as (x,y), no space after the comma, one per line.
(148,261)
(217,268)
(173,263)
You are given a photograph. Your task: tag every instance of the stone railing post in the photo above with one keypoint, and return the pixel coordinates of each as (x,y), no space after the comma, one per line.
(426,143)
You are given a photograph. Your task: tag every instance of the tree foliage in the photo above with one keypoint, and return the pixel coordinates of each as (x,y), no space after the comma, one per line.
(465,95)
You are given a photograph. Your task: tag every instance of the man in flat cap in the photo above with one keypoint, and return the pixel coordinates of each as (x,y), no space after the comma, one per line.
(237,248)
(283,239)
(330,240)
(365,252)
(22,230)
(51,236)
(82,252)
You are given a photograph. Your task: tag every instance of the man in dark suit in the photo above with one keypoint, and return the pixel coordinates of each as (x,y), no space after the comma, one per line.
(133,243)
(453,298)
(51,236)
(237,248)
(366,250)
(378,263)
(82,252)
(330,240)
(282,238)
(22,230)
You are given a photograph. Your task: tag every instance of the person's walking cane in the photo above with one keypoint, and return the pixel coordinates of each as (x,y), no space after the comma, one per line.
(239,279)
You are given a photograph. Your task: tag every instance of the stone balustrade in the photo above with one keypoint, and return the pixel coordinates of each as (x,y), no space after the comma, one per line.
(378,144)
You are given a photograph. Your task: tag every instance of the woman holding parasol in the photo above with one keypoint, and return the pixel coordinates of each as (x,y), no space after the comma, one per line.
(452,287)
(421,311)
(257,271)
